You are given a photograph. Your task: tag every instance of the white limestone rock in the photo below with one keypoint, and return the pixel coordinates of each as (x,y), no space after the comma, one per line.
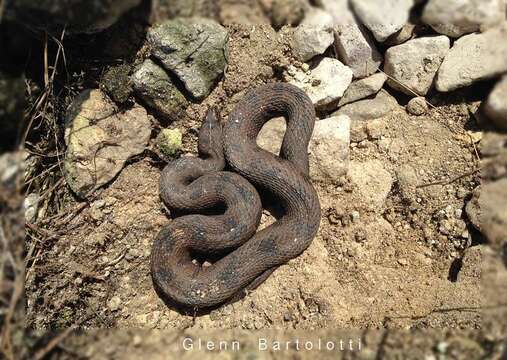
(414,64)
(473,58)
(455,18)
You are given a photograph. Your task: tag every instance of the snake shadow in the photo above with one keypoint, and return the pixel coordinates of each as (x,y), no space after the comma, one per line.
(270,204)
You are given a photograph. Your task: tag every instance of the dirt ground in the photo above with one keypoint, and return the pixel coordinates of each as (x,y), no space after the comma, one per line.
(394,248)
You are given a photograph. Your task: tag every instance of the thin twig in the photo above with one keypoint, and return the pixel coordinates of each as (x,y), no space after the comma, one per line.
(447,182)
(407,88)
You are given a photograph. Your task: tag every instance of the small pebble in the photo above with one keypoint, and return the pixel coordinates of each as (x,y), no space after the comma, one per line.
(403,262)
(354,216)
(417,106)
(137,340)
(442,347)
(114,303)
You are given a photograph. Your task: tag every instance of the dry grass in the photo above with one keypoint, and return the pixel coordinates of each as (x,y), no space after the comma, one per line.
(41,141)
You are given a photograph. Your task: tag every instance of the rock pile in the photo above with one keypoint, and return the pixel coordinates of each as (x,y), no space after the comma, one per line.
(453,45)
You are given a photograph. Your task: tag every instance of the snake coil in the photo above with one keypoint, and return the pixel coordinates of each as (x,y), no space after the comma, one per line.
(196,185)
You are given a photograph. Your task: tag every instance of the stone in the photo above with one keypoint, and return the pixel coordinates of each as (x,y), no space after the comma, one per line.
(417,106)
(154,86)
(194,49)
(372,181)
(309,41)
(473,58)
(488,212)
(496,104)
(31,205)
(117,83)
(368,109)
(11,167)
(455,18)
(338,9)
(287,12)
(169,141)
(100,139)
(324,84)
(491,214)
(353,44)
(364,111)
(472,261)
(407,180)
(114,303)
(415,64)
(356,48)
(271,135)
(328,147)
(316,17)
(406,33)
(363,88)
(77,16)
(383,18)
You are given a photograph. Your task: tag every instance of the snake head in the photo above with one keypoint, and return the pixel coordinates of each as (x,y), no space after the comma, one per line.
(212,117)
(210,136)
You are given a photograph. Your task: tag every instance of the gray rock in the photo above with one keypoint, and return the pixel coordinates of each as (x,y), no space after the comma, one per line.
(317,17)
(117,84)
(31,205)
(406,33)
(474,256)
(363,111)
(383,18)
(194,49)
(369,109)
(271,135)
(11,166)
(338,9)
(154,86)
(309,41)
(415,63)
(473,58)
(356,49)
(353,43)
(407,179)
(325,84)
(417,106)
(287,12)
(100,140)
(496,105)
(458,17)
(372,181)
(78,16)
(328,148)
(488,211)
(363,88)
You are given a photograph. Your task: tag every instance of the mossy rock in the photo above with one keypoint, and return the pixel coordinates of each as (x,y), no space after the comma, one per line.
(169,142)
(194,49)
(153,84)
(117,84)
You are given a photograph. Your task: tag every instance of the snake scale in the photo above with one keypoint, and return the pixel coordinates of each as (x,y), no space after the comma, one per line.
(196,185)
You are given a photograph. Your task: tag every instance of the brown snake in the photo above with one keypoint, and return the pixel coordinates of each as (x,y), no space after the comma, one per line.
(197,185)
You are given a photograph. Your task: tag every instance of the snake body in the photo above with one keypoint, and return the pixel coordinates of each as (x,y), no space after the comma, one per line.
(198,185)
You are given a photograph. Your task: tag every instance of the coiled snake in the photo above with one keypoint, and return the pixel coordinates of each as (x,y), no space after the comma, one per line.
(196,185)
